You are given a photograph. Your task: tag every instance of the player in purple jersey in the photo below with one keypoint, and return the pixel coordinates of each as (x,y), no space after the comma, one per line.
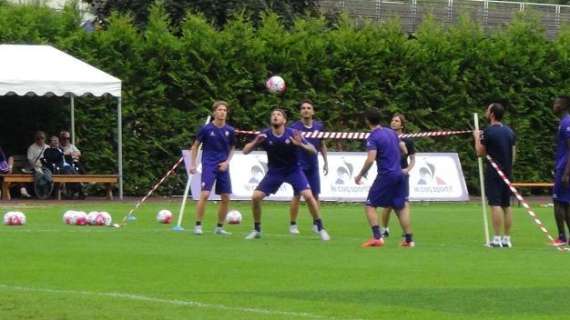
(561,195)
(389,188)
(398,124)
(218,142)
(281,144)
(309,162)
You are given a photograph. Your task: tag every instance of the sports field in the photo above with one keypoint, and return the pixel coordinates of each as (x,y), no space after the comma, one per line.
(49,270)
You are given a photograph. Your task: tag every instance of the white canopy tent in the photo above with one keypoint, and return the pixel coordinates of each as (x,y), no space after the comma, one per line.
(44,70)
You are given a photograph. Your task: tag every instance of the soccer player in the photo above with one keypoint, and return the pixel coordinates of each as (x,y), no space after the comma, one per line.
(498,141)
(561,195)
(388,189)
(398,124)
(309,162)
(281,144)
(218,140)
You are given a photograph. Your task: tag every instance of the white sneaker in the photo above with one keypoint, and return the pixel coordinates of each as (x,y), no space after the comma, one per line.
(198,230)
(294,229)
(506,242)
(324,235)
(496,242)
(315,229)
(220,231)
(253,235)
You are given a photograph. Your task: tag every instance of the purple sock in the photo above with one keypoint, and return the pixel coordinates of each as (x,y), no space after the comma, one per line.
(376,232)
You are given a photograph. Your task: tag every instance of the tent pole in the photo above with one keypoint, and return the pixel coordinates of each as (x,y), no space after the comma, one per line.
(72,119)
(120,145)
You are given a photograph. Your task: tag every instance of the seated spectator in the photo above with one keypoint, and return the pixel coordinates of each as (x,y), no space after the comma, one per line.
(70,151)
(6,163)
(53,158)
(36,151)
(6,167)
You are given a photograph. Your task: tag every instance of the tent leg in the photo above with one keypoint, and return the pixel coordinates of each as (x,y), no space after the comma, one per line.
(73,119)
(120,145)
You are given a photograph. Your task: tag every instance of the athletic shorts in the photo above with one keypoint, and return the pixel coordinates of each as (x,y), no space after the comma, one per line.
(560,192)
(407,187)
(314,180)
(221,178)
(272,181)
(387,191)
(497,192)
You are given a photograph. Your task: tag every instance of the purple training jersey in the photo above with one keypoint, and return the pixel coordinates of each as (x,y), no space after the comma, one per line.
(387,145)
(562,143)
(282,155)
(216,143)
(309,161)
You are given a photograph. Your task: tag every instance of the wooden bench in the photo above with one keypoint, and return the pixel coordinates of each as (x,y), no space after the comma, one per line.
(108,180)
(532,185)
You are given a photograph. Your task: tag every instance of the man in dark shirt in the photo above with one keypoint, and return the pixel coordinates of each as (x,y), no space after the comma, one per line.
(498,141)
(561,195)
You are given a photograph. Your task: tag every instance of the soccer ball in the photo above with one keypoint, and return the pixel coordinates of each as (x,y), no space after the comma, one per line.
(14,218)
(233,217)
(79,218)
(164,216)
(276,84)
(102,218)
(69,217)
(108,219)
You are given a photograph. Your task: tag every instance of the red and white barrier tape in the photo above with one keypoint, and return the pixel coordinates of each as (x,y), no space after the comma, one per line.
(362,135)
(529,210)
(152,190)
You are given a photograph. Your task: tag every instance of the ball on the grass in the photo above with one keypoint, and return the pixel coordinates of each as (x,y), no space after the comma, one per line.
(69,217)
(79,218)
(107,218)
(96,218)
(276,84)
(164,216)
(233,217)
(14,218)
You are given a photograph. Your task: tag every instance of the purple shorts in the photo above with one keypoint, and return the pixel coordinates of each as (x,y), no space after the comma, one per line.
(388,192)
(560,192)
(222,179)
(314,180)
(272,181)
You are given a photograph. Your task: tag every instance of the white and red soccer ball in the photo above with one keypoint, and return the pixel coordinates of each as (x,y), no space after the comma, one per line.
(75,218)
(276,85)
(164,216)
(14,218)
(99,218)
(233,217)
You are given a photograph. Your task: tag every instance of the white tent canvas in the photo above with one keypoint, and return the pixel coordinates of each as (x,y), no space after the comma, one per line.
(42,70)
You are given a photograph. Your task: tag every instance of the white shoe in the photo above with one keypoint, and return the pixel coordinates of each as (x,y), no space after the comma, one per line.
(315,229)
(198,230)
(253,235)
(220,231)
(324,235)
(506,242)
(294,229)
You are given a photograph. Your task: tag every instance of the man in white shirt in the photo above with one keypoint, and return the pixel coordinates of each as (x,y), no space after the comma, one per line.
(36,151)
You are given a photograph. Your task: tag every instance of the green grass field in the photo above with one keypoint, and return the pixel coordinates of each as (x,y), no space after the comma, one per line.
(49,270)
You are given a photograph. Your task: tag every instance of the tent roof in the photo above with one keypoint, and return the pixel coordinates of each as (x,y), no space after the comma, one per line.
(42,69)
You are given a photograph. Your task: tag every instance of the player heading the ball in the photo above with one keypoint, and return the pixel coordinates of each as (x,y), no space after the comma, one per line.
(281,144)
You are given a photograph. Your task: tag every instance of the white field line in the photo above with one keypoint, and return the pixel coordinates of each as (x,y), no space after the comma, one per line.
(143,298)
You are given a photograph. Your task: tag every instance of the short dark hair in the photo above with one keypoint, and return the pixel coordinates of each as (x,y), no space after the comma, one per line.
(307,101)
(373,116)
(565,100)
(401,117)
(283,112)
(497,110)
